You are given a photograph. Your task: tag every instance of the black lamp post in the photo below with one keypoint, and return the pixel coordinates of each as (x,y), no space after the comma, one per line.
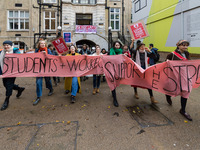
(109,38)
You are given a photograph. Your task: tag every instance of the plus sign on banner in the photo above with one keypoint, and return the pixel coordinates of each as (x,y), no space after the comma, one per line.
(60,45)
(138,30)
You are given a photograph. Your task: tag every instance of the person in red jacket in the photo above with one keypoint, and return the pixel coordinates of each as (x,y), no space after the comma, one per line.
(182,54)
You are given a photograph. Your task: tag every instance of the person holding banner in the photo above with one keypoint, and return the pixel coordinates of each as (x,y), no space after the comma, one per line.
(140,57)
(73,84)
(41,47)
(180,53)
(115,50)
(9,83)
(96,77)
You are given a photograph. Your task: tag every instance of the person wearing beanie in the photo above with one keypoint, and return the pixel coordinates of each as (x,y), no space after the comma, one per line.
(181,54)
(9,83)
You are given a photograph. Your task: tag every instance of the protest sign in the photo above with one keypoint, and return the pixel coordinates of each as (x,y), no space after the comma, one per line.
(170,77)
(67,37)
(138,30)
(60,45)
(86,29)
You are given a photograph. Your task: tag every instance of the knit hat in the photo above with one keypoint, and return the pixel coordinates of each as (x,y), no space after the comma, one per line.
(8,42)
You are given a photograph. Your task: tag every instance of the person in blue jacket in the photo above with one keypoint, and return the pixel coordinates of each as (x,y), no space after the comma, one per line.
(9,83)
(152,60)
(42,48)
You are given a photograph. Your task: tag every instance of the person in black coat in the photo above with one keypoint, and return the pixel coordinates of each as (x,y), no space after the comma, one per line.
(180,53)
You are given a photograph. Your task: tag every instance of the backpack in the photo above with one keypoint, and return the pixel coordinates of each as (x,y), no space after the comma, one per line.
(157,56)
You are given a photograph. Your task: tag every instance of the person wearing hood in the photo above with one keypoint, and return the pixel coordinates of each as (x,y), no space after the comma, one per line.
(9,83)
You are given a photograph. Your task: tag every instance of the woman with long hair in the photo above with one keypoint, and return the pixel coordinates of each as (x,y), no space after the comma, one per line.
(73,84)
(140,57)
(42,47)
(115,50)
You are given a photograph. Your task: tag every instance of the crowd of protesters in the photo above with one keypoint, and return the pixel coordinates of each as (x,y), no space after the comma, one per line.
(140,54)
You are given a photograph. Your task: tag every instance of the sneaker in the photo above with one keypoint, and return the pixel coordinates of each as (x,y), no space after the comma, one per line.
(67,92)
(19,93)
(136,96)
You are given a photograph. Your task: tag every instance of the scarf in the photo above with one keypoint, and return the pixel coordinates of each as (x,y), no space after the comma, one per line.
(43,49)
(179,56)
(138,58)
(114,51)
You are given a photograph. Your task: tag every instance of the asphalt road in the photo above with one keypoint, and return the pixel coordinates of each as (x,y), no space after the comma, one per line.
(93,123)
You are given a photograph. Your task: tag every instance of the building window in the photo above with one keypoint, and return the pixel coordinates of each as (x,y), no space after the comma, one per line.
(18,20)
(83,19)
(50,20)
(84,1)
(50,1)
(140,4)
(115,18)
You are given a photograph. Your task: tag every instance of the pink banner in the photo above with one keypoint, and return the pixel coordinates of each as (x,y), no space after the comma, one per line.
(86,29)
(171,77)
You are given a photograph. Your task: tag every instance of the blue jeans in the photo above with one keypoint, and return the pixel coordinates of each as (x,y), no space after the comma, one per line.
(96,81)
(39,85)
(74,89)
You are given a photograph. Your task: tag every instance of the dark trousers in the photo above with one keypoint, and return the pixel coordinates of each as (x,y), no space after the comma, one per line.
(9,84)
(149,90)
(56,78)
(183,102)
(96,81)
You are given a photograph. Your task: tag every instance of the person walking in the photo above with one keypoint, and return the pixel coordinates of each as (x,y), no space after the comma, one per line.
(152,61)
(96,77)
(140,57)
(9,83)
(115,50)
(41,47)
(53,51)
(181,54)
(72,84)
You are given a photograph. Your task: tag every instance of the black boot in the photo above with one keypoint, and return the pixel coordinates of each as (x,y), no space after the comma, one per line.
(115,103)
(20,90)
(73,100)
(50,92)
(168,98)
(5,104)
(36,101)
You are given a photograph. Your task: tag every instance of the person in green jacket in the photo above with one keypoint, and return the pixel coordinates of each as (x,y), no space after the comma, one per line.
(115,50)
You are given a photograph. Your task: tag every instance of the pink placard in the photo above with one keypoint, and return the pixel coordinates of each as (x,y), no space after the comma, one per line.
(60,45)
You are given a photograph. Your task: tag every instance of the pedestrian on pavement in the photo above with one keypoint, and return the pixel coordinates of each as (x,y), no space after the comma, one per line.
(140,57)
(152,61)
(73,84)
(53,51)
(126,51)
(41,47)
(180,53)
(96,77)
(115,50)
(84,51)
(9,83)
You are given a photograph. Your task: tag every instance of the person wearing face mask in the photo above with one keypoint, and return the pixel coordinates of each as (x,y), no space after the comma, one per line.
(180,53)
(140,57)
(9,83)
(73,84)
(96,77)
(115,50)
(41,47)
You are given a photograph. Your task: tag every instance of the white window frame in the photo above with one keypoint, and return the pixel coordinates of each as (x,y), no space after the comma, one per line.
(18,18)
(115,19)
(50,1)
(50,21)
